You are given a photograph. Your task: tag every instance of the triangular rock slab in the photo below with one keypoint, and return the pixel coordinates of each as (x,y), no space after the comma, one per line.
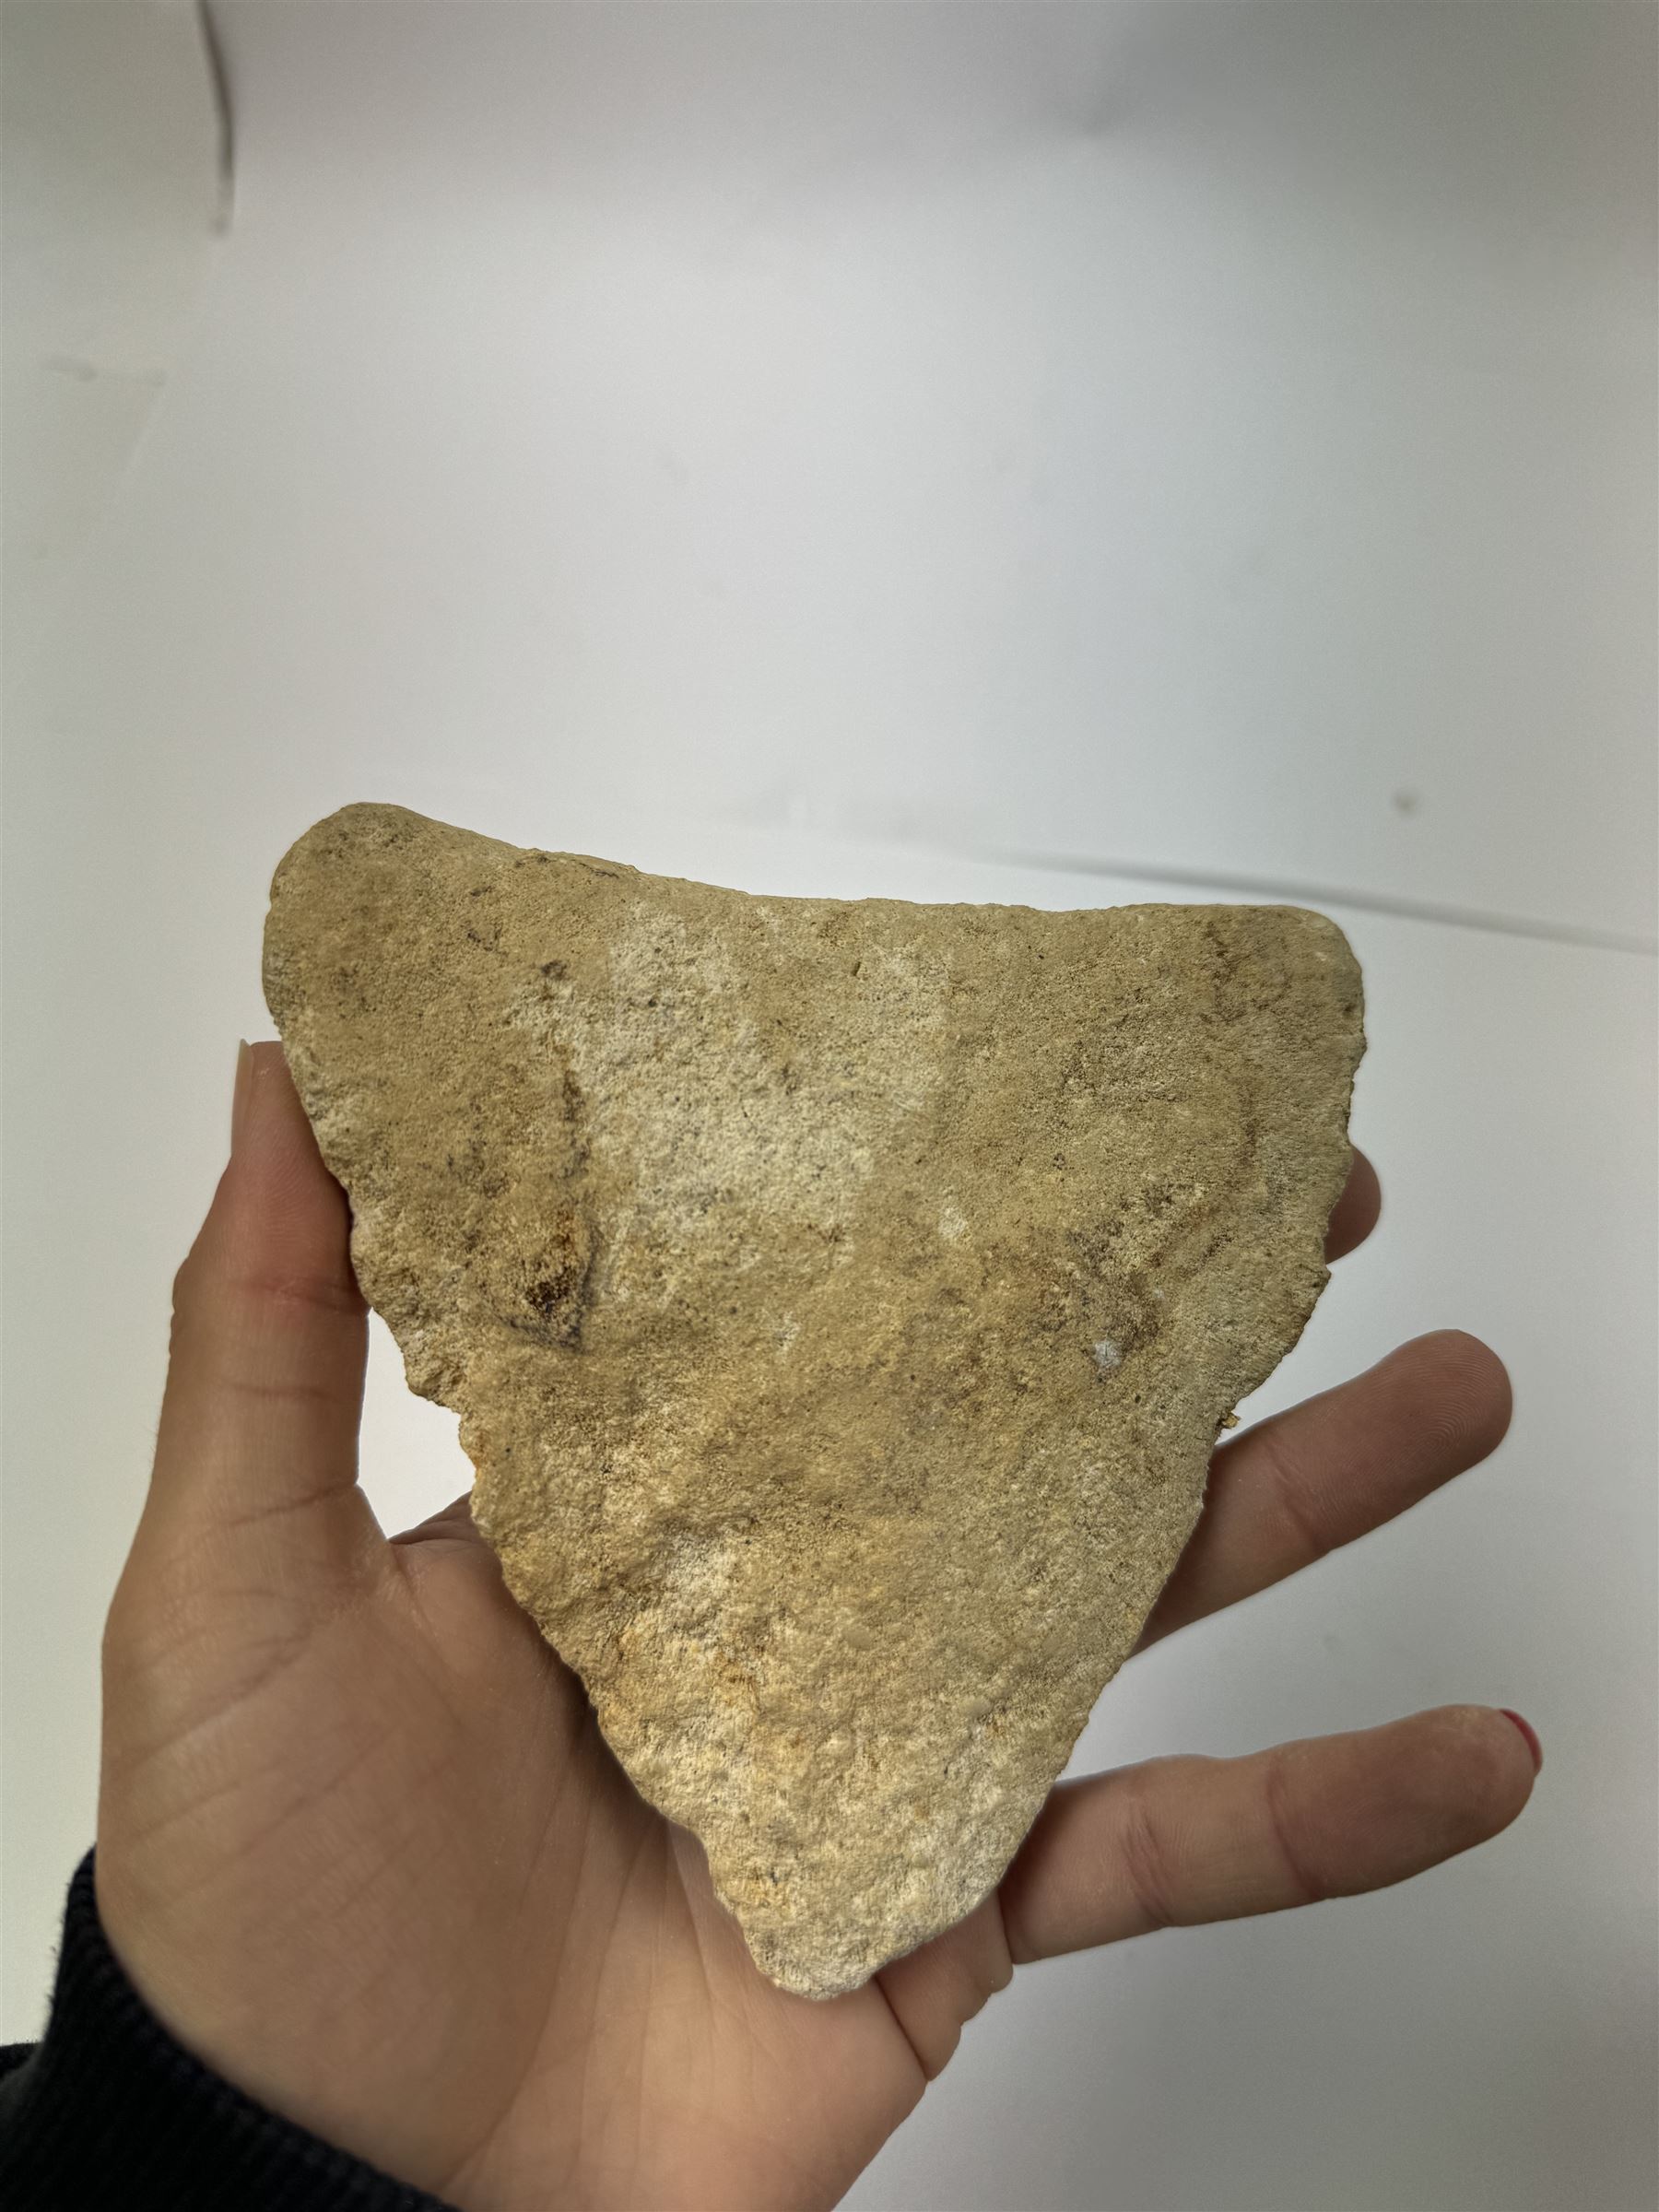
(840,1298)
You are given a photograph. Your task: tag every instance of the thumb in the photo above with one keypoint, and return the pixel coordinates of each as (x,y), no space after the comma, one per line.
(257,1447)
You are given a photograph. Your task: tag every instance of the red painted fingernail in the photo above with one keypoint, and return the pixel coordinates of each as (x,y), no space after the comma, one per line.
(1530,1732)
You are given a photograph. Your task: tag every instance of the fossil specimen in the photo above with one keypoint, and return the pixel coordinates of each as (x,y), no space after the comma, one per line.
(840,1299)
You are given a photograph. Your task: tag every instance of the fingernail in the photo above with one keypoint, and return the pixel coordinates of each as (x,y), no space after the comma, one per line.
(1530,1732)
(239,1097)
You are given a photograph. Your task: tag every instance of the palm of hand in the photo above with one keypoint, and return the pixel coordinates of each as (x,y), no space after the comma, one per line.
(447,1905)
(362,1845)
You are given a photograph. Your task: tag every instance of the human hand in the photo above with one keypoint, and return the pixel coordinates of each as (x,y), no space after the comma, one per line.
(362,1848)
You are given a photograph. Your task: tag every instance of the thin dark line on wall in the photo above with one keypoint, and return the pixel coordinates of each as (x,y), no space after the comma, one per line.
(226,118)
(1373,902)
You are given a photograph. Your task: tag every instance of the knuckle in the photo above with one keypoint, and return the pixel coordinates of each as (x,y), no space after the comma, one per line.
(131,1631)
(990,1964)
(217,1298)
(1144,1854)
(300,1291)
(1294,1493)
(1287,1829)
(117,1627)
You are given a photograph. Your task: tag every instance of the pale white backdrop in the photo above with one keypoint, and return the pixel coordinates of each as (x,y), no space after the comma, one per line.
(1050,452)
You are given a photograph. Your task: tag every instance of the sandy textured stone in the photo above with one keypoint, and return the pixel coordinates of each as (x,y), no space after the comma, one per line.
(840,1299)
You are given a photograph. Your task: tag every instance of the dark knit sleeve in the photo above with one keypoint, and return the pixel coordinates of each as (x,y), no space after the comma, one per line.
(108,2109)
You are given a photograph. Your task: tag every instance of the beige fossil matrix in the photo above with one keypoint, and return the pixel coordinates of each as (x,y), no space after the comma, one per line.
(840,1298)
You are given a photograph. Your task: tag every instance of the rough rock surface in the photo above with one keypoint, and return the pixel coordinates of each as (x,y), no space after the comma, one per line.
(840,1298)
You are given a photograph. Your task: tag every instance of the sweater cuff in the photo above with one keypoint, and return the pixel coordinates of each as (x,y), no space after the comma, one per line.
(108,2109)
